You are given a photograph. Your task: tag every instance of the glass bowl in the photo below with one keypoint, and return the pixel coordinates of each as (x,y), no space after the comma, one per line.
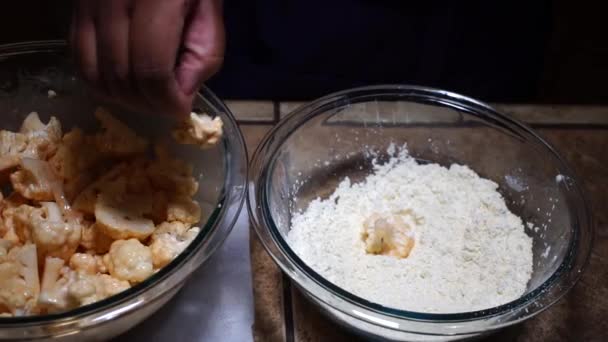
(310,151)
(27,72)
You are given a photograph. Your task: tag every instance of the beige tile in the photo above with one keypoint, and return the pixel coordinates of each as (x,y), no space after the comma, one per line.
(252,110)
(253,135)
(556,114)
(287,107)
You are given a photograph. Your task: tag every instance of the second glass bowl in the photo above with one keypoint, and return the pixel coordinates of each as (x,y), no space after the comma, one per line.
(308,153)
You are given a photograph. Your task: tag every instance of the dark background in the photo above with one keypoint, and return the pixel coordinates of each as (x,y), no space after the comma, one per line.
(508,51)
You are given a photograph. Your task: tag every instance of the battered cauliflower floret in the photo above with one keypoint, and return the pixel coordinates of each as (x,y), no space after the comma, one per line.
(54,286)
(171,175)
(5,246)
(94,240)
(12,146)
(200,130)
(107,240)
(129,260)
(389,235)
(34,140)
(47,228)
(87,263)
(42,140)
(7,226)
(113,182)
(90,288)
(183,209)
(138,181)
(64,288)
(169,240)
(76,154)
(116,138)
(34,181)
(25,183)
(19,282)
(123,217)
(76,162)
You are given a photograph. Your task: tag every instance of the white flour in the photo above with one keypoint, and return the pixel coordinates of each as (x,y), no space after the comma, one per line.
(470,252)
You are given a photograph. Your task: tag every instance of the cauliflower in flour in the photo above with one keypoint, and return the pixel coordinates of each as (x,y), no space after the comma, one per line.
(200,130)
(389,235)
(89,215)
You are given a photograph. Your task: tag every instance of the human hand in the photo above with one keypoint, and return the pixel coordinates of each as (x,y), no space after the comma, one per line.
(150,55)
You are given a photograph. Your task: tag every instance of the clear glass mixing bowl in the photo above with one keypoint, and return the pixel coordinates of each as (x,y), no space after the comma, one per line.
(27,72)
(309,152)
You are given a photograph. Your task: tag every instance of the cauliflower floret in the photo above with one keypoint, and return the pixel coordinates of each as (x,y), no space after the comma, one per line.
(113,182)
(137,178)
(5,246)
(200,130)
(64,288)
(129,260)
(94,240)
(11,143)
(42,140)
(87,263)
(35,140)
(116,138)
(12,146)
(47,228)
(76,154)
(93,288)
(171,175)
(170,239)
(54,287)
(76,162)
(123,217)
(8,207)
(19,282)
(25,183)
(389,235)
(35,180)
(183,209)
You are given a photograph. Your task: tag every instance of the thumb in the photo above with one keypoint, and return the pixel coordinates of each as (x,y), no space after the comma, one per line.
(203,45)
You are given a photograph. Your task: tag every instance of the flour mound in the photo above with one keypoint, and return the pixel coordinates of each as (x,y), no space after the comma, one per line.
(469,252)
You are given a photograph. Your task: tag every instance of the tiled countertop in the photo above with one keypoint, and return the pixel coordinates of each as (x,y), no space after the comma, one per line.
(274,310)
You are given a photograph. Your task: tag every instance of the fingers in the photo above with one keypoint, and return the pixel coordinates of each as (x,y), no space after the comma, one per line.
(112,26)
(155,36)
(203,46)
(151,55)
(85,42)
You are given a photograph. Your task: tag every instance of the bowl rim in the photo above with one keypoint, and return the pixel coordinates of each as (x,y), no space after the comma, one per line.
(209,231)
(297,269)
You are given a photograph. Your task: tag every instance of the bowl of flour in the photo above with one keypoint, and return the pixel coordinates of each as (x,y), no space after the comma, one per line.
(411,213)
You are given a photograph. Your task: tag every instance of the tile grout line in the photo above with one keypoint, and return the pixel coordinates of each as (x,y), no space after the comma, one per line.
(277,112)
(288,321)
